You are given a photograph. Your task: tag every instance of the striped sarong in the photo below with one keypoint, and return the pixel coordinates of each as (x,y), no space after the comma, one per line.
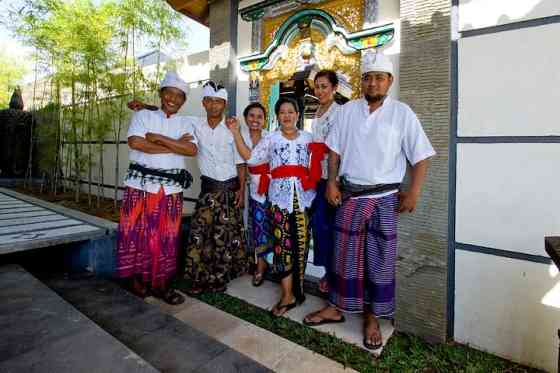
(365,254)
(148,236)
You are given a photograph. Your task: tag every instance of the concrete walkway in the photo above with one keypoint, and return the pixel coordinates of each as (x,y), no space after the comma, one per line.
(266,348)
(268,294)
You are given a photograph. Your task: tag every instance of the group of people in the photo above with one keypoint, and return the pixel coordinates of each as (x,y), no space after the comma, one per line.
(340,184)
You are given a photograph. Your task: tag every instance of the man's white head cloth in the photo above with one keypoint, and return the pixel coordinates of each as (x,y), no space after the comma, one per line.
(211,89)
(173,80)
(372,61)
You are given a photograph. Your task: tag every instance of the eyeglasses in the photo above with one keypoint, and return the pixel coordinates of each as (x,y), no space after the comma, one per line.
(214,86)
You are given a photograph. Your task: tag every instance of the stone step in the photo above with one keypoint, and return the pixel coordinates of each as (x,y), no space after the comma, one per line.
(164,341)
(274,352)
(43,333)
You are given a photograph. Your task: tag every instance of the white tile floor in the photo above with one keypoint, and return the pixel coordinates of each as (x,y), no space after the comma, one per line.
(268,294)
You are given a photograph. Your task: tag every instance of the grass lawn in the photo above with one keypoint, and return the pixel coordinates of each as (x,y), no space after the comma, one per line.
(403,353)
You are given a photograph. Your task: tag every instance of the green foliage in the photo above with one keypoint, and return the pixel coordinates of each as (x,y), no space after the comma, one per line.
(11,73)
(87,48)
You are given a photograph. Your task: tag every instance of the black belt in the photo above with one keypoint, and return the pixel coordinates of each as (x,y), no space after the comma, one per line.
(183,178)
(209,185)
(350,190)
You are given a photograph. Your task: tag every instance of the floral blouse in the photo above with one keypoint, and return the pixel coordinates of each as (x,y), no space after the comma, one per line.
(276,150)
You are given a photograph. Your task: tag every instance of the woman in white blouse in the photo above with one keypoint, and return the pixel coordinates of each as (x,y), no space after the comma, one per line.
(259,207)
(290,192)
(322,220)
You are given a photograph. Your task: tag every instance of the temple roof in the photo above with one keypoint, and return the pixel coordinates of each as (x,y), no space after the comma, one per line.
(195,9)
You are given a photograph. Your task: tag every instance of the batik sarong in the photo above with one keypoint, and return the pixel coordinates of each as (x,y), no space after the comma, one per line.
(322,225)
(148,236)
(259,224)
(365,252)
(291,245)
(215,252)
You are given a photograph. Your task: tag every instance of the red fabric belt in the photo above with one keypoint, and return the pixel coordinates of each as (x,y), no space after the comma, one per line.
(263,170)
(308,176)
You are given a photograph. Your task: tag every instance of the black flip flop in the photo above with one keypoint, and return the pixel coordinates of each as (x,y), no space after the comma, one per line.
(170,296)
(221,289)
(371,346)
(324,321)
(258,280)
(287,308)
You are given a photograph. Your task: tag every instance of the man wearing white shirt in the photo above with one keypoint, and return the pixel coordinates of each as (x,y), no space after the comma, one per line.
(215,251)
(371,143)
(151,211)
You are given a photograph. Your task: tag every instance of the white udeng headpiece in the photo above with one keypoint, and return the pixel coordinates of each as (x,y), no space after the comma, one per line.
(212,89)
(373,61)
(173,80)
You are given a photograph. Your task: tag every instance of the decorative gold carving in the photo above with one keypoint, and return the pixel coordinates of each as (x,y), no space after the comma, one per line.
(348,13)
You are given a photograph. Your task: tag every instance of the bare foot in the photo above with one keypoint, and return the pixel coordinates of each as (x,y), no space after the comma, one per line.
(372,335)
(324,285)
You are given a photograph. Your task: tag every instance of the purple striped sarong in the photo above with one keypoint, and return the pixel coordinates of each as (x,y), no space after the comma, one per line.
(365,254)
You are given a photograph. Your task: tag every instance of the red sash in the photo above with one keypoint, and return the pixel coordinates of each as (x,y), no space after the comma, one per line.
(309,177)
(263,170)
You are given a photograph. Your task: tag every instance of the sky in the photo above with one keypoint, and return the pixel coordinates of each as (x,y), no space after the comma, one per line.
(197,39)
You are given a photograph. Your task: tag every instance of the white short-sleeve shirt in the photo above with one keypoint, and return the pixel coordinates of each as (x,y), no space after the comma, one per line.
(254,180)
(278,151)
(175,126)
(320,127)
(374,147)
(217,155)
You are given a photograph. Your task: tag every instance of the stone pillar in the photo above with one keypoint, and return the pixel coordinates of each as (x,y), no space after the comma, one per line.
(422,267)
(223,46)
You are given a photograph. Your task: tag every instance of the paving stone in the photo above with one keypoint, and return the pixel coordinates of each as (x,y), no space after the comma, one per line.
(161,339)
(303,360)
(229,362)
(43,333)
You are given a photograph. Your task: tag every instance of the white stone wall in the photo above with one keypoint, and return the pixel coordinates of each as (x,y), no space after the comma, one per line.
(506,181)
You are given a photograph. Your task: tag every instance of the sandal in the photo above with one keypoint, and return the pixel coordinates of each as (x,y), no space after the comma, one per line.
(194,291)
(258,279)
(169,296)
(323,320)
(220,289)
(285,307)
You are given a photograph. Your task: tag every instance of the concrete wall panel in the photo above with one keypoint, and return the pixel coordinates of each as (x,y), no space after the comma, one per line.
(474,14)
(507,195)
(508,83)
(508,307)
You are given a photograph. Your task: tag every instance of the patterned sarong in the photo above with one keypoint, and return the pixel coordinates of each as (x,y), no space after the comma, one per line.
(365,254)
(291,245)
(215,252)
(260,239)
(148,236)
(322,226)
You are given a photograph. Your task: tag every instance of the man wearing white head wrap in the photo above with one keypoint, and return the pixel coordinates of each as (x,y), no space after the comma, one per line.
(152,204)
(216,245)
(371,142)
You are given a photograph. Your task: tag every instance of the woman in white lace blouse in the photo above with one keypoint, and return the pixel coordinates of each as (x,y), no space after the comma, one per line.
(290,192)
